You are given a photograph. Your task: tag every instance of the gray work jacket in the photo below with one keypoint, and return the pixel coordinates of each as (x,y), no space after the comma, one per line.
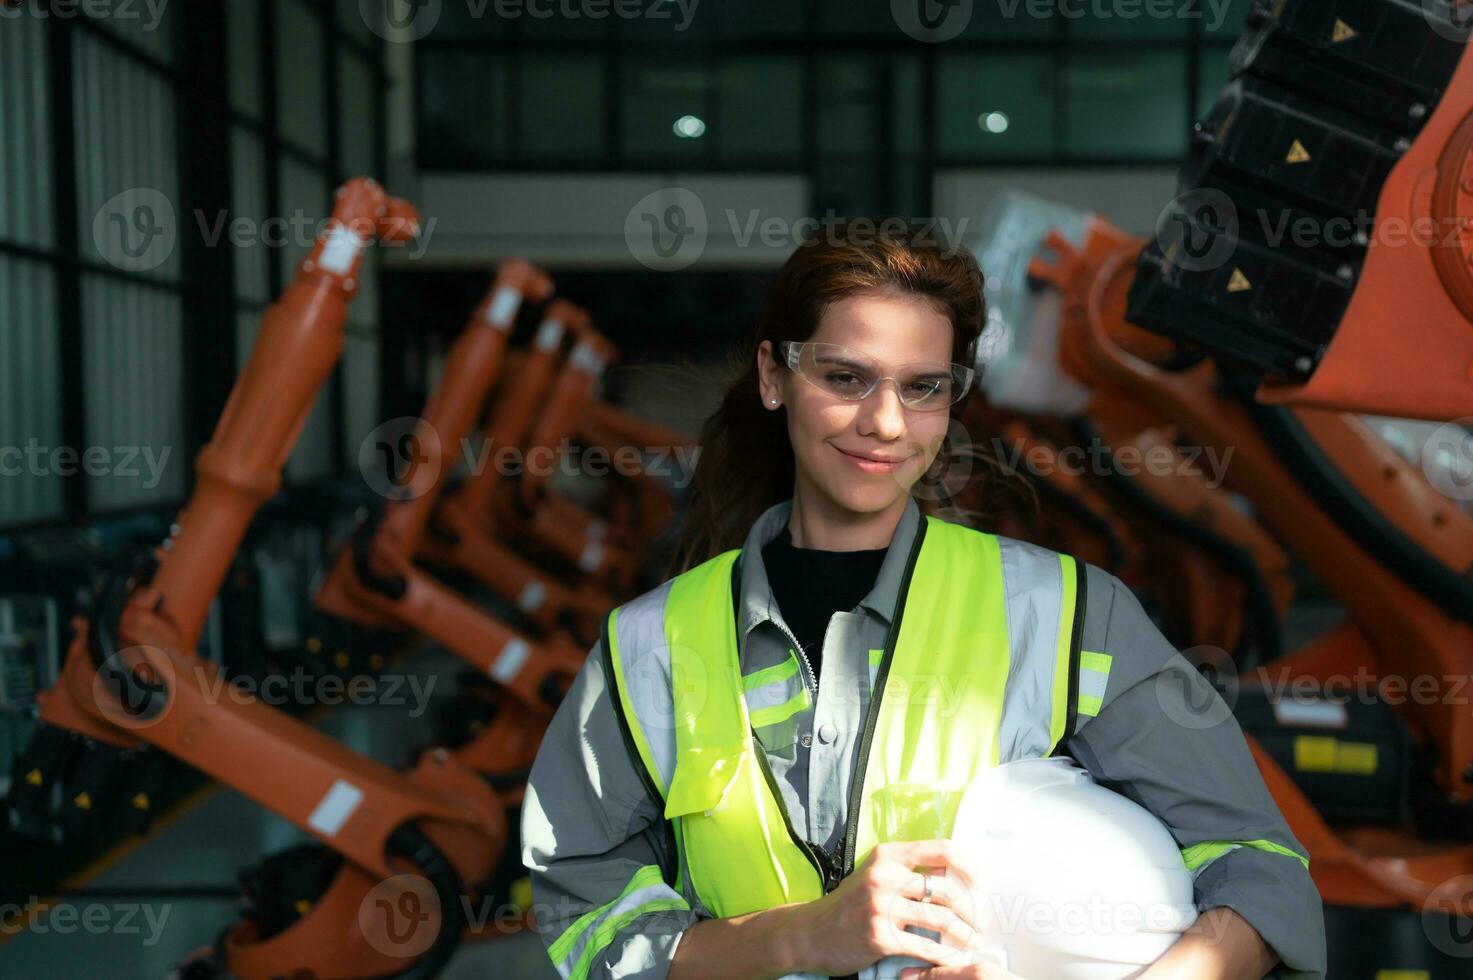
(1159,734)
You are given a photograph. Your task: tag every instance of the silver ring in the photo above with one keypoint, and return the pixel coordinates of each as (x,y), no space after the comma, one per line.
(925,888)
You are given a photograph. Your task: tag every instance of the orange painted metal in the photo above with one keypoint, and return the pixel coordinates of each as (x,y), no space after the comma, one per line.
(349,803)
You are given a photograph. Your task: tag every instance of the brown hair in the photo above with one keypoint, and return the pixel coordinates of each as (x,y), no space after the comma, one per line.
(746,461)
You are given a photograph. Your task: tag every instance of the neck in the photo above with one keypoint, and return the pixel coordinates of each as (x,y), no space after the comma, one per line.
(818,522)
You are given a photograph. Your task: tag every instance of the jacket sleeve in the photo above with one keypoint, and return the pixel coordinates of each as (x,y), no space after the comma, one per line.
(595,844)
(1163,737)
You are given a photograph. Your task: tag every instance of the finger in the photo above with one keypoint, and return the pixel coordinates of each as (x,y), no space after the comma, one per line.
(954,930)
(946,891)
(971,971)
(933,854)
(904,943)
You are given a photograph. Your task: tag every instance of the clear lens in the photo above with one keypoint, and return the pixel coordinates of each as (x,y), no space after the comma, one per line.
(851,375)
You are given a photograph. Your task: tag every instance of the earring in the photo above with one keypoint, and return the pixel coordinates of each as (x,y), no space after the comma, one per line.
(774,401)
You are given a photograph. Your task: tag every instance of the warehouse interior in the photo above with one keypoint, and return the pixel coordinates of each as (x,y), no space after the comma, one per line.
(295,295)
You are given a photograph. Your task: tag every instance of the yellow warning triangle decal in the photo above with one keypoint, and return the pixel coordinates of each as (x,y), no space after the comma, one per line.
(83,801)
(1238,282)
(1297,153)
(35,778)
(1342,32)
(140,801)
(302,906)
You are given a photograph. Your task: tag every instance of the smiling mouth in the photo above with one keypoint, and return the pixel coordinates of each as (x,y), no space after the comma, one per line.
(873,461)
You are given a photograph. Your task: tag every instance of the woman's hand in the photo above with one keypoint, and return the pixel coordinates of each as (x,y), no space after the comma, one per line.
(863,920)
(971,971)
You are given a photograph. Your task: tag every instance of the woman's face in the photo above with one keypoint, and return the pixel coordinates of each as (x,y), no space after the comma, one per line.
(836,443)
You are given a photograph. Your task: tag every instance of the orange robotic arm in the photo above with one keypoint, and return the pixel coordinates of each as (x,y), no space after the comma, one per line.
(131,676)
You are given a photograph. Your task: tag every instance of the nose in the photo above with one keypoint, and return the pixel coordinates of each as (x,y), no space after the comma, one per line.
(881,413)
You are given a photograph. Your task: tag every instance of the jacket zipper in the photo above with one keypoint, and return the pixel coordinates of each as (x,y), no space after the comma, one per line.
(867,733)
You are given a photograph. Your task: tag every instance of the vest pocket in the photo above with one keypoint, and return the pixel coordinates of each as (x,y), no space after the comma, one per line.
(703,776)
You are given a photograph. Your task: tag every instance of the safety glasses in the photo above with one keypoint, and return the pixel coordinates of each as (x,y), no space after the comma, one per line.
(852,375)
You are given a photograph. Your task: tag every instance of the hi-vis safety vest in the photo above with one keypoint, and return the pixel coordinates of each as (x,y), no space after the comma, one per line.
(996,620)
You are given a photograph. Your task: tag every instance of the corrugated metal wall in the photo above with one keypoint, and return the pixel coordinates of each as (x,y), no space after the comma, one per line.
(129,435)
(30,411)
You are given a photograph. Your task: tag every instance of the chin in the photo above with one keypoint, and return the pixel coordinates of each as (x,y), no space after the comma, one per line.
(868,497)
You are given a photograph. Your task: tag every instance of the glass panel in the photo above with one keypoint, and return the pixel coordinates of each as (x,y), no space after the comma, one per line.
(1157,18)
(30,378)
(465,109)
(658,94)
(1230,24)
(244,225)
(357,116)
(849,87)
(1128,104)
(25,151)
(561,106)
(149,27)
(131,344)
(300,84)
(305,203)
(848,188)
(244,28)
(995,105)
(462,18)
(1212,76)
(126,165)
(847,17)
(760,108)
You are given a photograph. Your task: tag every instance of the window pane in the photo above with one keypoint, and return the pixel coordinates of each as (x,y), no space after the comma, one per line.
(149,27)
(300,85)
(30,377)
(848,188)
(465,109)
(243,26)
(464,19)
(357,116)
(849,88)
(1127,104)
(760,110)
(1212,76)
(248,207)
(127,165)
(25,151)
(656,95)
(1132,20)
(539,20)
(131,343)
(562,106)
(995,105)
(1232,20)
(751,19)
(846,17)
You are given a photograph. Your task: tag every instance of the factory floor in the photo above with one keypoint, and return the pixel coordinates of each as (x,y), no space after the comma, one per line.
(122,922)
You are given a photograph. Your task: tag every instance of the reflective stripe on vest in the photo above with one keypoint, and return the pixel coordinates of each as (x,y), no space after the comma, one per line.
(980,667)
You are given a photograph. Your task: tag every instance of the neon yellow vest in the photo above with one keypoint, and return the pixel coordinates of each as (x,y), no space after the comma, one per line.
(949,628)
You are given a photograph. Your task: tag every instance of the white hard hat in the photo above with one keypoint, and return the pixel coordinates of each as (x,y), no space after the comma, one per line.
(1078,882)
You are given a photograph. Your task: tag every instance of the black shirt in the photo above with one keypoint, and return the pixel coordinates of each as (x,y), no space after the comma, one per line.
(810,585)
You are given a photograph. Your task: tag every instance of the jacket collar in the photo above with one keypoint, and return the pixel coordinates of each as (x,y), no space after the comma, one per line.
(757,602)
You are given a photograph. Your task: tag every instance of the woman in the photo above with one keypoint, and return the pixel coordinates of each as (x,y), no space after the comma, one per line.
(717,795)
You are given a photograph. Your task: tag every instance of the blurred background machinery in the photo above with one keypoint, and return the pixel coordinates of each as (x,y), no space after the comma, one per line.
(264,422)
